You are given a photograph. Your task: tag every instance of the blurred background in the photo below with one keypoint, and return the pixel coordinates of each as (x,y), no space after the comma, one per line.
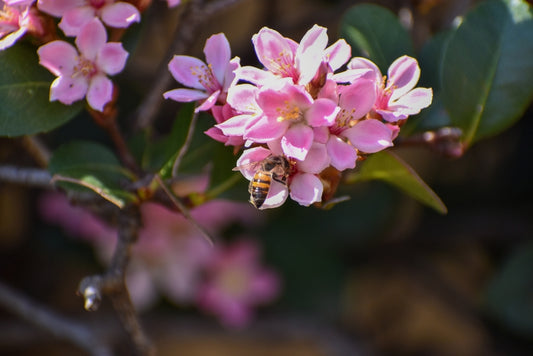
(379,274)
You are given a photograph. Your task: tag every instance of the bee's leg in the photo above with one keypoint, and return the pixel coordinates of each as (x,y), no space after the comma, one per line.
(282,179)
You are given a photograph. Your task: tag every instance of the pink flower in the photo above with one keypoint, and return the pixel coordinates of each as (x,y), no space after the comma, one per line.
(173,3)
(303,183)
(16,19)
(84,74)
(76,13)
(290,114)
(209,82)
(236,283)
(398,98)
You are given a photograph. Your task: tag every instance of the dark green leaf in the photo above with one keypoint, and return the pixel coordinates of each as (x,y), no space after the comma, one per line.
(375,32)
(90,165)
(508,296)
(389,168)
(24,95)
(165,152)
(487,72)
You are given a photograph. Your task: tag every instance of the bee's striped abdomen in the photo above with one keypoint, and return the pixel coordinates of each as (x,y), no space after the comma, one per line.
(259,188)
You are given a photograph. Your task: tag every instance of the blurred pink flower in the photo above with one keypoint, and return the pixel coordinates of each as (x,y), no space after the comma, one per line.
(77,13)
(173,3)
(170,257)
(17,17)
(85,73)
(236,283)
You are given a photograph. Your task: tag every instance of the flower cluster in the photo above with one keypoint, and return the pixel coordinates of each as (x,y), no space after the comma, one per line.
(173,260)
(299,106)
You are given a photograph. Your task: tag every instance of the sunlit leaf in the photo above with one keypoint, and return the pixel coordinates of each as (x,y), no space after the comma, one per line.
(78,165)
(375,33)
(487,72)
(24,95)
(389,168)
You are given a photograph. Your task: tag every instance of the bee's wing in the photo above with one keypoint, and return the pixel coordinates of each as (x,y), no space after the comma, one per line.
(248,169)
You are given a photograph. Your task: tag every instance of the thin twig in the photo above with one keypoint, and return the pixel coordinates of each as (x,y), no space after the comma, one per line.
(28,176)
(37,149)
(113,282)
(45,319)
(183,209)
(193,16)
(183,150)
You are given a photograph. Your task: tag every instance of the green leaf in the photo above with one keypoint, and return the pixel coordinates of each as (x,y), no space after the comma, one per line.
(164,154)
(508,297)
(375,32)
(487,73)
(387,167)
(24,95)
(80,164)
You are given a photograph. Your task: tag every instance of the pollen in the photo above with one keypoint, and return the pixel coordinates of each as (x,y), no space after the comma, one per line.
(289,112)
(85,68)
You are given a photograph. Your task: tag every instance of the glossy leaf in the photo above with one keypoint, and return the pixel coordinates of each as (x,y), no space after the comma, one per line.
(387,167)
(487,72)
(24,95)
(375,33)
(78,165)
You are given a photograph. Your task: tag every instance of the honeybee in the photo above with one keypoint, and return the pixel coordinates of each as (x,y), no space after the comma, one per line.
(271,168)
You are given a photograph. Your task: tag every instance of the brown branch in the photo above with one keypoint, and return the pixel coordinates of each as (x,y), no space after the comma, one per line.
(59,326)
(113,282)
(40,153)
(445,141)
(195,14)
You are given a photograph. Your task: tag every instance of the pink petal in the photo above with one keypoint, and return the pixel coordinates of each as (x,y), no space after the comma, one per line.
(338,54)
(100,92)
(297,141)
(255,75)
(187,70)
(316,161)
(264,286)
(280,102)
(112,58)
(265,130)
(403,75)
(91,39)
(363,63)
(242,98)
(358,98)
(217,54)
(246,161)
(58,7)
(185,95)
(59,57)
(369,136)
(208,102)
(322,113)
(230,78)
(414,101)
(310,52)
(320,134)
(12,38)
(343,156)
(120,14)
(273,50)
(68,90)
(75,18)
(277,195)
(306,189)
(236,125)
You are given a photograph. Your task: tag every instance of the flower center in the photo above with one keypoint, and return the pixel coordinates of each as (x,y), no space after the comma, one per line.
(97,4)
(234,281)
(283,65)
(289,112)
(85,68)
(205,76)
(9,20)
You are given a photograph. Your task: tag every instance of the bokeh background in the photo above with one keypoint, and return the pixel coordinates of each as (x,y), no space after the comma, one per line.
(379,274)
